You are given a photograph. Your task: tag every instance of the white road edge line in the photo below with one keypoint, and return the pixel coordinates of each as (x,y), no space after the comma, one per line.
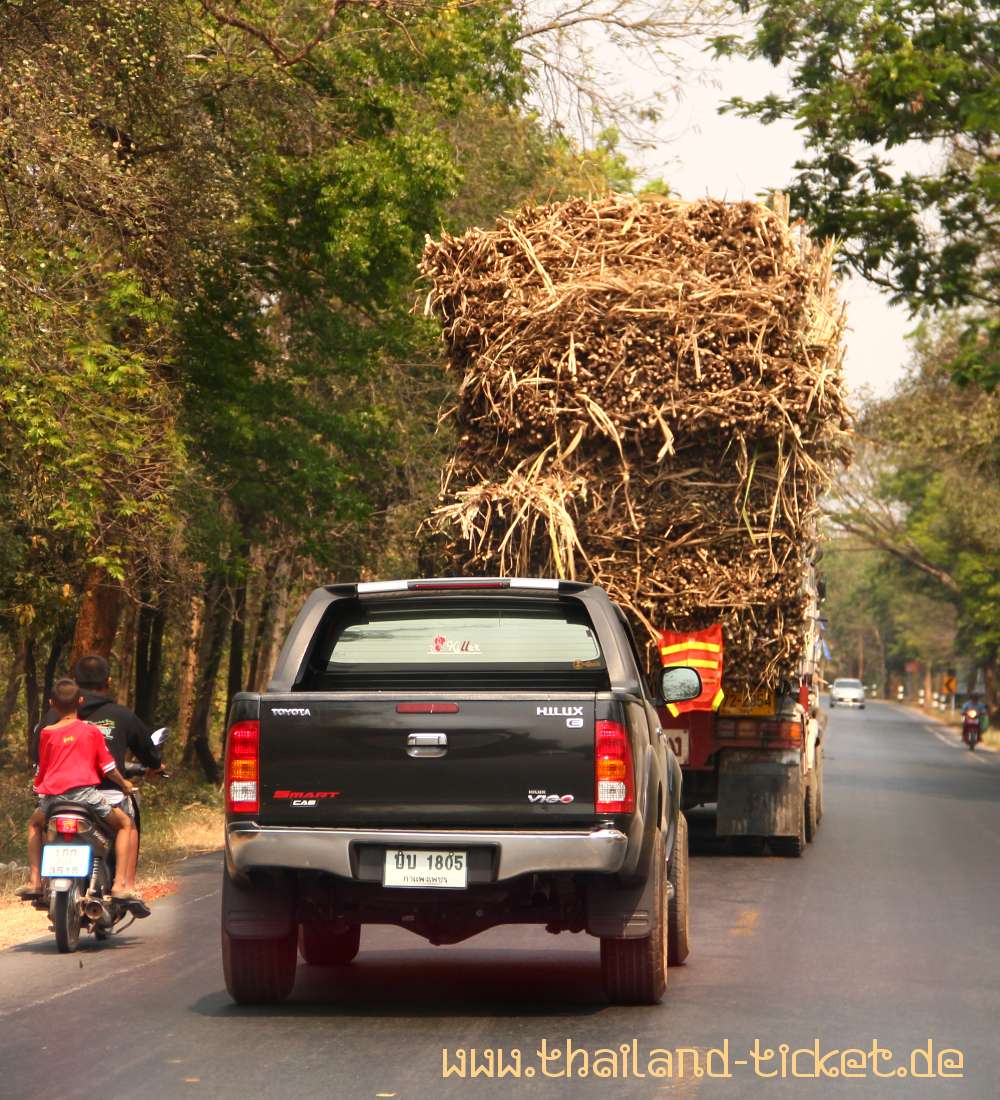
(84,985)
(955,743)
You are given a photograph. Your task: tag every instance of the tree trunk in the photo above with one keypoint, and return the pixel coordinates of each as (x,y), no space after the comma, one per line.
(9,704)
(60,637)
(213,637)
(272,631)
(149,661)
(31,697)
(237,638)
(189,663)
(97,622)
(127,662)
(262,626)
(992,687)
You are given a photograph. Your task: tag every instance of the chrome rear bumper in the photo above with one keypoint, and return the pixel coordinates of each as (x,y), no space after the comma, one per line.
(519,851)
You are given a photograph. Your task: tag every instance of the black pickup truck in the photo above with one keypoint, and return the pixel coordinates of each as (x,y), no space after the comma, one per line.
(446,756)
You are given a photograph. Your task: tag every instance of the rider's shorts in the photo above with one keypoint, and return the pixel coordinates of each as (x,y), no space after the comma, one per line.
(119,800)
(89,796)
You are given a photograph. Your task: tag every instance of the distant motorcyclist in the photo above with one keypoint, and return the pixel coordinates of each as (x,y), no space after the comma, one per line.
(123,731)
(973,706)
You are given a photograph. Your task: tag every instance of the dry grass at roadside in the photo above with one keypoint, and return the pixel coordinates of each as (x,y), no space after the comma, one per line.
(180,817)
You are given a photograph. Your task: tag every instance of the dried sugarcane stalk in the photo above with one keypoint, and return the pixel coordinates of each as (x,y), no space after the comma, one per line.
(651,399)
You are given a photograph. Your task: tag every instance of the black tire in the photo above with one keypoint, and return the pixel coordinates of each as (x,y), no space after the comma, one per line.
(678,933)
(819,783)
(259,972)
(66,919)
(812,821)
(792,846)
(319,945)
(635,971)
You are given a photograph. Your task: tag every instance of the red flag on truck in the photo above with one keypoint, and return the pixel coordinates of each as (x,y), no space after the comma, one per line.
(700,649)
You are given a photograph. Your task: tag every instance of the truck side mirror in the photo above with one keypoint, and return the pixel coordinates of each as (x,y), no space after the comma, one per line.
(680,684)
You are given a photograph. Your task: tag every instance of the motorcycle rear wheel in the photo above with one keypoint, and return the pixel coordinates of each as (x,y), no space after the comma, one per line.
(66,919)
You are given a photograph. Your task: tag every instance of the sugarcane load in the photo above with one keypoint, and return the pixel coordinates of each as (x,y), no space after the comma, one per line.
(651,399)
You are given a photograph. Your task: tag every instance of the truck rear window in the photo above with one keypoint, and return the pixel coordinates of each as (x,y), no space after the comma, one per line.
(436,643)
(463,636)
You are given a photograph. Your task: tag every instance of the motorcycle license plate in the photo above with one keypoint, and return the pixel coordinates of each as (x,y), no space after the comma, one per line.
(438,870)
(65,861)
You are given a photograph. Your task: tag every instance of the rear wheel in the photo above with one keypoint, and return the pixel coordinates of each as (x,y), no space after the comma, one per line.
(259,972)
(635,971)
(66,918)
(678,946)
(819,783)
(792,846)
(320,945)
(812,821)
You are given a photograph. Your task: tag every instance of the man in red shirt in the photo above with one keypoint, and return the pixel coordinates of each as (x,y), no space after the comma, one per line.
(72,760)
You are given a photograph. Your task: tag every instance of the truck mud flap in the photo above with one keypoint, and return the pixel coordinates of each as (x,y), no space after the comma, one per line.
(257,910)
(760,794)
(621,912)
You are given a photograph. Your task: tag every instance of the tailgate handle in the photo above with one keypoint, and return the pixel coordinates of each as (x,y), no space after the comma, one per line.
(427,744)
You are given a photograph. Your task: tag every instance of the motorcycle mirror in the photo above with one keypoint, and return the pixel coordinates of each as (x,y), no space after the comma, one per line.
(159,736)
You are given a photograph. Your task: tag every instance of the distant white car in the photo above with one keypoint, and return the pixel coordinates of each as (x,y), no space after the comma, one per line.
(848,693)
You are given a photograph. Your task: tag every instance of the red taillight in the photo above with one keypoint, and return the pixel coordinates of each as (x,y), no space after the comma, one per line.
(614,783)
(67,824)
(243,768)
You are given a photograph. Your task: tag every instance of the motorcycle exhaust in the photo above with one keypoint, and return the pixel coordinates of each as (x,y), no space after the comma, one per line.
(96,910)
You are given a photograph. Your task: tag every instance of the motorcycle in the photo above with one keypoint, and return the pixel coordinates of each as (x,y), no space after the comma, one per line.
(78,869)
(971,727)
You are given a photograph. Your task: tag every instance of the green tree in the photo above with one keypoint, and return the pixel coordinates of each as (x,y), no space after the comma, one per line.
(866,78)
(926,492)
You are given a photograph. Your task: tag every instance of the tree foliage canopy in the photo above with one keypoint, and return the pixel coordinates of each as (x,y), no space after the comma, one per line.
(868,77)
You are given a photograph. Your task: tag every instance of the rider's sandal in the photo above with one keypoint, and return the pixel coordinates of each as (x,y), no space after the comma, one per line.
(127,896)
(139,909)
(28,893)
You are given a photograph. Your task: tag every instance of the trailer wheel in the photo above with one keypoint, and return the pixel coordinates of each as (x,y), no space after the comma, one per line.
(792,846)
(812,821)
(319,945)
(819,782)
(259,972)
(678,935)
(635,971)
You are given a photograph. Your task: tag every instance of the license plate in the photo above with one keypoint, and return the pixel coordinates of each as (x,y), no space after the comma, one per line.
(65,861)
(680,743)
(441,870)
(749,704)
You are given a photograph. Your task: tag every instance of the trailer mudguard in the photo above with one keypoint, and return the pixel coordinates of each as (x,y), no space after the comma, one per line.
(760,793)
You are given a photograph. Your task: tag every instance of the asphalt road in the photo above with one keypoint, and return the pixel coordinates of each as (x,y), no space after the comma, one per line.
(886,930)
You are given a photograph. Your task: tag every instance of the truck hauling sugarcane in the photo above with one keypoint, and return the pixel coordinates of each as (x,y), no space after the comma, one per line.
(651,399)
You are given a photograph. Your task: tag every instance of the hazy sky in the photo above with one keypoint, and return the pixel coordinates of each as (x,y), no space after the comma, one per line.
(725,156)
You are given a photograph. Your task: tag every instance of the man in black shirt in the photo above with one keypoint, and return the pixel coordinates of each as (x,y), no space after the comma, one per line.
(123,732)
